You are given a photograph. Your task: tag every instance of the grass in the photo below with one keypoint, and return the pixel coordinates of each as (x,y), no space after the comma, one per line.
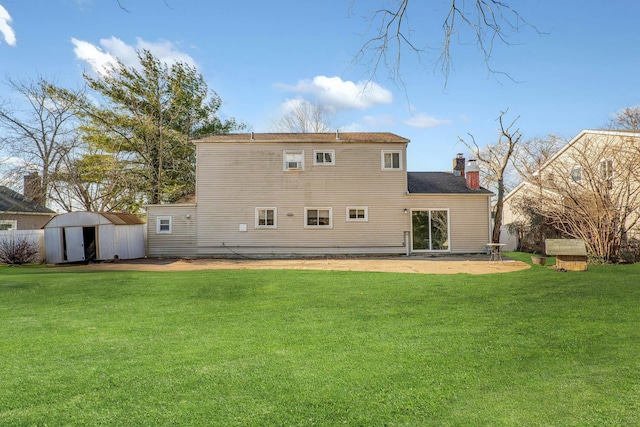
(300,348)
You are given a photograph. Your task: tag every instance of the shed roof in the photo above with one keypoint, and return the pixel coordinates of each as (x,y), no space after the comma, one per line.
(370,137)
(121,218)
(440,183)
(88,219)
(12,201)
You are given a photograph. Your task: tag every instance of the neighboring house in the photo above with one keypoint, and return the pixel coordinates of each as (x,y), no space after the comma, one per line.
(317,194)
(19,212)
(602,162)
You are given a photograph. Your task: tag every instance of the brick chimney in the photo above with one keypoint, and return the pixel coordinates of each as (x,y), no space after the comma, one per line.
(458,165)
(33,188)
(473,175)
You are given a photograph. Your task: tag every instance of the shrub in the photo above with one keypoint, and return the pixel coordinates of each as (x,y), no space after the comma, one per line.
(18,250)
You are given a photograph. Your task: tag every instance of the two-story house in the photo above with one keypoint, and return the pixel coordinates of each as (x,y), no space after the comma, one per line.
(592,184)
(268,194)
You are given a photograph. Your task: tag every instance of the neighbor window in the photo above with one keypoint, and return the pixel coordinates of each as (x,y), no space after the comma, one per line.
(606,168)
(324,157)
(7,224)
(317,217)
(576,174)
(266,218)
(164,225)
(391,160)
(359,213)
(293,160)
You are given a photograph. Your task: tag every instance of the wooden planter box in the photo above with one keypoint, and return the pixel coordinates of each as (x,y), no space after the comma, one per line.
(540,260)
(571,262)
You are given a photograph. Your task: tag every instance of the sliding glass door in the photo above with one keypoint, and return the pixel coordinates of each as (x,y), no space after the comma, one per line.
(430,230)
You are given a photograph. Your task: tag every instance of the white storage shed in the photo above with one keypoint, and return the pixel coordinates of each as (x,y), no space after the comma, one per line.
(100,236)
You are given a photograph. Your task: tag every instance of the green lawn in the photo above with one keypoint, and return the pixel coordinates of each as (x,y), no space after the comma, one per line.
(301,348)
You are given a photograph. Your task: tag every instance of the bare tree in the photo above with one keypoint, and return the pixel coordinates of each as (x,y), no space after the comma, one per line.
(627,118)
(591,192)
(41,130)
(94,181)
(306,117)
(532,154)
(528,158)
(495,159)
(484,22)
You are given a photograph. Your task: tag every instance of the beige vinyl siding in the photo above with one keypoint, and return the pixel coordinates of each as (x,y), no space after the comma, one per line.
(27,221)
(254,177)
(181,242)
(468,218)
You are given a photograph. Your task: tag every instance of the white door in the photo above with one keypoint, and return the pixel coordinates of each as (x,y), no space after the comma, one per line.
(74,243)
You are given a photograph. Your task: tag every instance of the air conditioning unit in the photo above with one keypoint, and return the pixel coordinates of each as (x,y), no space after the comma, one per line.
(292,165)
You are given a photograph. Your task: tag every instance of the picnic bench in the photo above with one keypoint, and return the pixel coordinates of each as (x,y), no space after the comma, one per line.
(571,254)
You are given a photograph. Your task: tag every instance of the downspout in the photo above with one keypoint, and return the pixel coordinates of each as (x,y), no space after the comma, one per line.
(490,233)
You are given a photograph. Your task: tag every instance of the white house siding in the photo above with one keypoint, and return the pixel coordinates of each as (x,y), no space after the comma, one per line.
(182,242)
(468,218)
(254,177)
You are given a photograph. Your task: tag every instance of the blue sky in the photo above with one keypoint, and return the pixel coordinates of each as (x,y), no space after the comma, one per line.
(259,56)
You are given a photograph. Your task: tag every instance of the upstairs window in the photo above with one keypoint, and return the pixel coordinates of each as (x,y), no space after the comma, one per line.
(266,218)
(391,160)
(293,160)
(324,157)
(606,168)
(576,174)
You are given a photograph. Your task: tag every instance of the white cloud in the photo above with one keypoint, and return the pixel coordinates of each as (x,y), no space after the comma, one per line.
(340,94)
(354,127)
(424,121)
(102,58)
(381,121)
(99,60)
(5,28)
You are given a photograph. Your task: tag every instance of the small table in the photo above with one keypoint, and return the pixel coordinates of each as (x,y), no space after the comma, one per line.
(495,249)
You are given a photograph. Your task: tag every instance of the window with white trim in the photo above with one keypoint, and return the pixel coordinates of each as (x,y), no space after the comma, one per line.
(317,218)
(576,174)
(324,157)
(8,224)
(292,160)
(606,168)
(357,213)
(164,225)
(391,160)
(266,218)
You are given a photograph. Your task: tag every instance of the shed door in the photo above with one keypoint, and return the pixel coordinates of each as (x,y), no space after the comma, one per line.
(74,244)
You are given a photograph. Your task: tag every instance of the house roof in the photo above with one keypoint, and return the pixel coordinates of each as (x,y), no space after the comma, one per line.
(439,183)
(610,132)
(371,137)
(11,201)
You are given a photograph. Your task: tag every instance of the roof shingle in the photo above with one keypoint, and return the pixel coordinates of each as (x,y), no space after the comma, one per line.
(372,137)
(11,201)
(439,183)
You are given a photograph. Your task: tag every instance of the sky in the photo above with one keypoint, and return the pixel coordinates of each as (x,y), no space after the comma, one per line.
(572,68)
